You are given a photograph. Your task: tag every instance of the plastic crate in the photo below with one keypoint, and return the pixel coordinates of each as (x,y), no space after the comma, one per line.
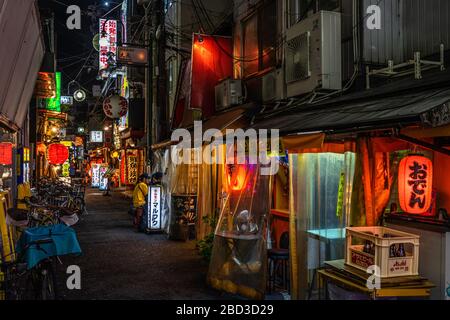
(382,239)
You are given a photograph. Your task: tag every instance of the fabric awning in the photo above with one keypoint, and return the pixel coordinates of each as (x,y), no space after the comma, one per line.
(443,131)
(232,119)
(405,109)
(21,58)
(306,141)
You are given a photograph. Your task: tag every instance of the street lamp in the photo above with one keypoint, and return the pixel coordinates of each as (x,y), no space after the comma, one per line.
(79,95)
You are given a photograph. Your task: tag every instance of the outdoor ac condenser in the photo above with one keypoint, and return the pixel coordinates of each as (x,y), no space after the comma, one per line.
(228,93)
(273,86)
(313,54)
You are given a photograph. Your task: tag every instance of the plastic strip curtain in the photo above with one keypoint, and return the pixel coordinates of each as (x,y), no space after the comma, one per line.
(183,189)
(209,187)
(238,262)
(320,202)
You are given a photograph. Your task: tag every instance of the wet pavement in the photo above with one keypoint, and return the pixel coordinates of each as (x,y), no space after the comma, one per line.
(120,263)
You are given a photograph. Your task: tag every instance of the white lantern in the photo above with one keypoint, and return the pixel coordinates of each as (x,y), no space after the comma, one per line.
(115,106)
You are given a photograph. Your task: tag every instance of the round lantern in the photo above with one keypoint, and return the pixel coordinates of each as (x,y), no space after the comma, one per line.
(57,153)
(236,176)
(6,153)
(115,106)
(415,182)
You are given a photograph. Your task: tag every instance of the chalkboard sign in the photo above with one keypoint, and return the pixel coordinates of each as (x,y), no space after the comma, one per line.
(184,217)
(184,208)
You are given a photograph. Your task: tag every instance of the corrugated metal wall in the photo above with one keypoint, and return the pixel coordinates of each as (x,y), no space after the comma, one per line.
(426,26)
(382,45)
(406,26)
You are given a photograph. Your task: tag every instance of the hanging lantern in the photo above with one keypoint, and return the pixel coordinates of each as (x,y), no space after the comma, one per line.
(115,106)
(57,153)
(415,182)
(6,153)
(236,176)
(115,154)
(41,148)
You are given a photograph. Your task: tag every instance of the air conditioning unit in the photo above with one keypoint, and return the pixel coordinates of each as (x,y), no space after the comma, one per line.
(273,86)
(228,93)
(313,54)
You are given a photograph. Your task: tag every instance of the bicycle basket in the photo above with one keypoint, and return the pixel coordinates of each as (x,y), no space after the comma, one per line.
(64,242)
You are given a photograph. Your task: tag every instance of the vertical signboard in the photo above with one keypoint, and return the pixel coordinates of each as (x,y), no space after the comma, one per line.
(54,104)
(154,208)
(95,175)
(103,184)
(108,43)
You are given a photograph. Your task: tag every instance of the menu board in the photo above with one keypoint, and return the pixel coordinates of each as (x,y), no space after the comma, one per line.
(184,208)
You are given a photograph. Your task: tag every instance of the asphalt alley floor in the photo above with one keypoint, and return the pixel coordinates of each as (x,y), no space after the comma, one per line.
(120,263)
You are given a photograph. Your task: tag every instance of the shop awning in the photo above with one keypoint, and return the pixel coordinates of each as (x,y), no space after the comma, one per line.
(429,108)
(21,54)
(443,131)
(232,119)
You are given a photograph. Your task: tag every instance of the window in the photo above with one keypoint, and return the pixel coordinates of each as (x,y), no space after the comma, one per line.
(259,39)
(298,9)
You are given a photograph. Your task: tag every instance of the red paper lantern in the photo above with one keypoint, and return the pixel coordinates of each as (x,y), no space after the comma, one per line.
(236,176)
(6,153)
(415,183)
(57,153)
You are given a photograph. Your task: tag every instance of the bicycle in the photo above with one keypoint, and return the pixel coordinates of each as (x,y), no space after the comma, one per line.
(18,278)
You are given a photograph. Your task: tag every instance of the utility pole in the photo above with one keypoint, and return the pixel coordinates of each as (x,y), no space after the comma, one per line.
(149,84)
(156,78)
(160,85)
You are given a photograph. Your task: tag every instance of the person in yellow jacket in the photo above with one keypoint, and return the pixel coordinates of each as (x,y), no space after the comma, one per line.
(139,198)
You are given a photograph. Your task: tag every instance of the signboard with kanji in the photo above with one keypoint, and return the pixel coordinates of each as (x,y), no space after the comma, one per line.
(95,175)
(96,136)
(415,182)
(132,169)
(154,208)
(108,43)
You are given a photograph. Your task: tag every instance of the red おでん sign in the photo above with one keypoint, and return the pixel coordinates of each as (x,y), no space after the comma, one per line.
(415,182)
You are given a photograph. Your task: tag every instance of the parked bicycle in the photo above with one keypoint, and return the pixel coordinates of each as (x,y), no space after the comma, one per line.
(32,276)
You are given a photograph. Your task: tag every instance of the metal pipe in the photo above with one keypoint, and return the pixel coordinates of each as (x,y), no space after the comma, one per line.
(423,144)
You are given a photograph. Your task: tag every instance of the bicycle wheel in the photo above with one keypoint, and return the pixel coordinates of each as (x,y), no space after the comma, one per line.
(41,284)
(47,283)
(79,204)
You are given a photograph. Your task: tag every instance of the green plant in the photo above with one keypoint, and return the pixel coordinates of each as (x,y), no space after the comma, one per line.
(205,245)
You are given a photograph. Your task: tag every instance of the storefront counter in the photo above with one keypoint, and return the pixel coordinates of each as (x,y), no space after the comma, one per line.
(352,282)
(434,258)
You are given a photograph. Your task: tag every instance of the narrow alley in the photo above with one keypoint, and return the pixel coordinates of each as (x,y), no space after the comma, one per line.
(120,263)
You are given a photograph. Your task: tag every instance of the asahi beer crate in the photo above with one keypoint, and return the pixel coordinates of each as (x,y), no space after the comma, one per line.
(395,252)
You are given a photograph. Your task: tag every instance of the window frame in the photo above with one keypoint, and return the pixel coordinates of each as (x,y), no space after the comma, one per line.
(258,12)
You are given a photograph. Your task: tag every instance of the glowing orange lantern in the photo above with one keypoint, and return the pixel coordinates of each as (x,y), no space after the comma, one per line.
(57,153)
(415,182)
(41,148)
(236,176)
(6,153)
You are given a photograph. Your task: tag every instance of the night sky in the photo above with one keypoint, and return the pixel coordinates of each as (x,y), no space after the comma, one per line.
(76,58)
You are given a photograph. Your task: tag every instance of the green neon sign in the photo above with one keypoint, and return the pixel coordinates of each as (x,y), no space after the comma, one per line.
(54,104)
